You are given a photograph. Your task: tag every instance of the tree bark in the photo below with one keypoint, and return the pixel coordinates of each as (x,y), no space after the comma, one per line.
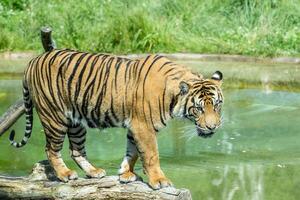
(47,41)
(42,184)
(11,116)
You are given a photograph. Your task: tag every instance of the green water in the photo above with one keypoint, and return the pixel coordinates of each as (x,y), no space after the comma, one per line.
(255,155)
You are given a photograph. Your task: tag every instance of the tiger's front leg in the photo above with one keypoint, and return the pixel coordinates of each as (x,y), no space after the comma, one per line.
(148,151)
(126,171)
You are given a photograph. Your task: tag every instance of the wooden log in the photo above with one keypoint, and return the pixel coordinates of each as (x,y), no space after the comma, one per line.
(47,41)
(42,184)
(11,116)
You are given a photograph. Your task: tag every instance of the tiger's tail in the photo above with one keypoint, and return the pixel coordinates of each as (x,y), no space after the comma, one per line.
(29,119)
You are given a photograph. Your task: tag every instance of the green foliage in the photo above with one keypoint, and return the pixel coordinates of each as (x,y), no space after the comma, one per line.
(250,27)
(14,4)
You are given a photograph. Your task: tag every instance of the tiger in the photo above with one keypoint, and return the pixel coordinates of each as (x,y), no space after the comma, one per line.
(73,90)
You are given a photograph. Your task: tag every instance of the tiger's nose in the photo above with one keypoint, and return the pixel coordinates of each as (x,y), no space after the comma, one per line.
(210,122)
(211,127)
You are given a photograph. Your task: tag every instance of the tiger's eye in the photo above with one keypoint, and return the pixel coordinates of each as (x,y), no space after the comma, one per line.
(199,109)
(195,111)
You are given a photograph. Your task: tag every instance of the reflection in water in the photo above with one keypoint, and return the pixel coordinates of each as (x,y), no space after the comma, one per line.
(248,181)
(178,144)
(266,83)
(248,178)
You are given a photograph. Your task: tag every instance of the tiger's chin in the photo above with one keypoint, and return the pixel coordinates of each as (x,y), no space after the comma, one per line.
(204,133)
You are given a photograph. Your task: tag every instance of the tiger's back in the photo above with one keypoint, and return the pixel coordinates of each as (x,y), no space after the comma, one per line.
(101,89)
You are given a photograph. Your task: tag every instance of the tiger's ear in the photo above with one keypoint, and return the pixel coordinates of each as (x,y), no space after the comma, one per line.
(184,88)
(217,77)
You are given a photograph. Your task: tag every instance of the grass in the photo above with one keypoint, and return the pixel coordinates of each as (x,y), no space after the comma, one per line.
(246,27)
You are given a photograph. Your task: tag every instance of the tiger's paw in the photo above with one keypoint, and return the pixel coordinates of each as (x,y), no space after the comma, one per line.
(96,173)
(160,182)
(67,175)
(128,177)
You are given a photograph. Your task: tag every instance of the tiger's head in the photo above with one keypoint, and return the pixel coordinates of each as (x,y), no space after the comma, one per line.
(201,102)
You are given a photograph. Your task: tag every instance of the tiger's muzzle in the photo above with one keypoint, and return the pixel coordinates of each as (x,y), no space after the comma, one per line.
(205,133)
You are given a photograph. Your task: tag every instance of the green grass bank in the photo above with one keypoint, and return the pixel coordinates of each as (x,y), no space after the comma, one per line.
(246,27)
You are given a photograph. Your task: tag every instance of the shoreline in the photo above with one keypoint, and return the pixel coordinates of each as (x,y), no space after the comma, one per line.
(178,56)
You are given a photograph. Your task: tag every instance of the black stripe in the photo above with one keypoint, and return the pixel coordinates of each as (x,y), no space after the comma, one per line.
(112,109)
(164,65)
(141,68)
(169,70)
(172,104)
(185,106)
(160,113)
(135,66)
(117,66)
(163,99)
(79,143)
(126,69)
(151,119)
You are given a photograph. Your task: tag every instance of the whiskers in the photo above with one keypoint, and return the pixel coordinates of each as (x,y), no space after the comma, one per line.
(222,121)
(188,132)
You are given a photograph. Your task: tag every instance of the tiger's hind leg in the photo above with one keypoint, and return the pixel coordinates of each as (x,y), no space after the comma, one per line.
(55,134)
(77,137)
(126,171)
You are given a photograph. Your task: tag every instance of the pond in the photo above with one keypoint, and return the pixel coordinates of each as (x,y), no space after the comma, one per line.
(255,155)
